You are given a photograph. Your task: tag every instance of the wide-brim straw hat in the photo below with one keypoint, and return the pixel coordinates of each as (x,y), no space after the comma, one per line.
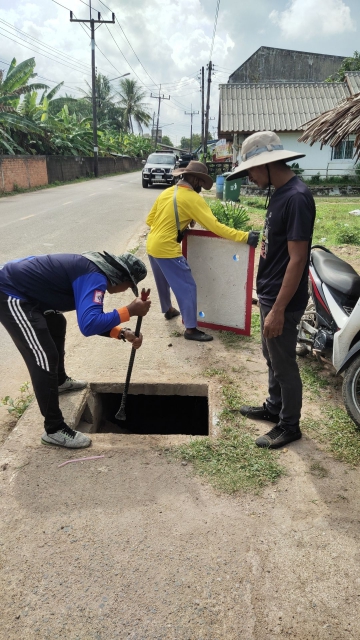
(261,148)
(198,169)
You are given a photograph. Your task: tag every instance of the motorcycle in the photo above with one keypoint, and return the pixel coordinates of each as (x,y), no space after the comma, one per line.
(330,326)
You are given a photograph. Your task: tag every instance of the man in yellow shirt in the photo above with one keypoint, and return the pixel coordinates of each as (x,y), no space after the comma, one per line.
(169,266)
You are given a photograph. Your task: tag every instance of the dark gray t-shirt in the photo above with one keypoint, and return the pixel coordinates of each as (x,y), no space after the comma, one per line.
(290,216)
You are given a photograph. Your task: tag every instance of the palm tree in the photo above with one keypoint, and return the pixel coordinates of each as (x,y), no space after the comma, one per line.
(12,87)
(108,114)
(131,101)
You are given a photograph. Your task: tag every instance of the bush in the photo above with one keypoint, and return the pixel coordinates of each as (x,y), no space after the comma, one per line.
(17,406)
(357,172)
(233,214)
(296,168)
(315,179)
(346,235)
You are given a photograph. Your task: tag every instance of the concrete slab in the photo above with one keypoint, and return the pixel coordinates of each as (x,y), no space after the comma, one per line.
(132,546)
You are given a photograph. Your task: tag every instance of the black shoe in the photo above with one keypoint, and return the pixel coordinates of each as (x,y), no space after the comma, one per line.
(259,413)
(278,437)
(171,314)
(198,335)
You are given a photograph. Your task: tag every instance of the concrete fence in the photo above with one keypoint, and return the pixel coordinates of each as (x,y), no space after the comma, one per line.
(331,190)
(25,172)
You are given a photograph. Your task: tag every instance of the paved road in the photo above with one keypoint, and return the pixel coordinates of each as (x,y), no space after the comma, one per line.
(94,215)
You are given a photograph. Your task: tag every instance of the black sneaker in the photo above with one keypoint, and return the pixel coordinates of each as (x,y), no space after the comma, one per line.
(259,413)
(278,437)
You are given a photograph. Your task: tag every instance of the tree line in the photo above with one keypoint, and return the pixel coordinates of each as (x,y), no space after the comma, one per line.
(33,120)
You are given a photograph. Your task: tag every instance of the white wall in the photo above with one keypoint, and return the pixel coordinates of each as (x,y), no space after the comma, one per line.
(316,160)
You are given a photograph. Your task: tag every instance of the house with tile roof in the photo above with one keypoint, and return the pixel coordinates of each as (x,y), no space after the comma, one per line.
(284,107)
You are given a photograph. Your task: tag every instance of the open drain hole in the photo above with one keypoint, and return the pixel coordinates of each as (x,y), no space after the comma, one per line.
(172,409)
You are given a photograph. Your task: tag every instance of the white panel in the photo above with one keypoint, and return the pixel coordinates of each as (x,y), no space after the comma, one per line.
(220,269)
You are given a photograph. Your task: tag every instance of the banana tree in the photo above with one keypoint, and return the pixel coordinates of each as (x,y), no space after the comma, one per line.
(69,134)
(13,85)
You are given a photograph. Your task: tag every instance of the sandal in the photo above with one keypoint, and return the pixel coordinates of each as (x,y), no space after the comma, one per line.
(200,336)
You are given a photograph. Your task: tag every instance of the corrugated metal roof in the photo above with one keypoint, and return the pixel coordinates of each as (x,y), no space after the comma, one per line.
(275,106)
(353,80)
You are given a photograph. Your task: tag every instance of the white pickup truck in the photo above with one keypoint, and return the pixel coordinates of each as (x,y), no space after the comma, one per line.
(158,169)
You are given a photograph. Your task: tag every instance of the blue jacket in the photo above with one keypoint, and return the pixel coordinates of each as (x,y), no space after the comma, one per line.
(63,282)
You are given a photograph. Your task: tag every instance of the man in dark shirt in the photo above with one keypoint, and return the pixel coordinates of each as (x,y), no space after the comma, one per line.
(34,292)
(282,280)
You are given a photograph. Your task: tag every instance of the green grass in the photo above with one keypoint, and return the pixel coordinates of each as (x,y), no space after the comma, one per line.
(176,334)
(337,432)
(311,376)
(235,340)
(334,225)
(232,462)
(213,373)
(317,469)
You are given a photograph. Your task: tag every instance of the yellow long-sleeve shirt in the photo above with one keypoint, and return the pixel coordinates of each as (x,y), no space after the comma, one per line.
(161,242)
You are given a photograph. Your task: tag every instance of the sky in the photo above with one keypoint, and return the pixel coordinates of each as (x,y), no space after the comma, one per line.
(168,41)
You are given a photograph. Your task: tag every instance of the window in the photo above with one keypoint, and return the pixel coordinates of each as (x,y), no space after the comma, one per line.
(343,151)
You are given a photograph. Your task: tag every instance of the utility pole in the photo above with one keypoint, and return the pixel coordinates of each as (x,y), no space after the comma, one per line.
(92,22)
(159,97)
(191,113)
(209,67)
(202,107)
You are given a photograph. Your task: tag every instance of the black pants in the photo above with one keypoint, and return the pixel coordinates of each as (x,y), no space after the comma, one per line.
(40,338)
(285,386)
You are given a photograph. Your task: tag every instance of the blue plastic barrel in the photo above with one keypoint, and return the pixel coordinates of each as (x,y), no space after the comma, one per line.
(219,186)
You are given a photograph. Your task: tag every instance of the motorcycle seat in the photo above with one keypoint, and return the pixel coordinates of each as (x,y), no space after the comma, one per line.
(336,273)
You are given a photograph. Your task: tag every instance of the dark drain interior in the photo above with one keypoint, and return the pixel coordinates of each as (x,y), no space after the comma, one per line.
(156,414)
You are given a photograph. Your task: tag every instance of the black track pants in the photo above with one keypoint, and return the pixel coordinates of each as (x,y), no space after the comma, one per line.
(40,338)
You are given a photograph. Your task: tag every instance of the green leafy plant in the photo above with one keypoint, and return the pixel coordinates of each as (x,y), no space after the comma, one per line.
(296,168)
(357,172)
(348,235)
(315,179)
(352,63)
(17,406)
(233,214)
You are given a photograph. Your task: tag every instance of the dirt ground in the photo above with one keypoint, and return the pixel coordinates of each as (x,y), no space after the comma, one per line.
(134,546)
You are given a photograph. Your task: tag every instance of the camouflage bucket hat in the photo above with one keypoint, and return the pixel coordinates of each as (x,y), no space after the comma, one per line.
(118,269)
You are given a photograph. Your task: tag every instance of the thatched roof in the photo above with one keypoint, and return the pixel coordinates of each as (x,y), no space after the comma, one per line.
(333,126)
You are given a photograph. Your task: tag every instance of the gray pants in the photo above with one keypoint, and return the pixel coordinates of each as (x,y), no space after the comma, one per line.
(285,386)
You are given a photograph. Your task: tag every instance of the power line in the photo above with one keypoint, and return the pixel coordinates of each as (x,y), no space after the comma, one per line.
(47,79)
(43,54)
(60,5)
(136,56)
(127,62)
(131,47)
(109,61)
(42,44)
(215,24)
(225,68)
